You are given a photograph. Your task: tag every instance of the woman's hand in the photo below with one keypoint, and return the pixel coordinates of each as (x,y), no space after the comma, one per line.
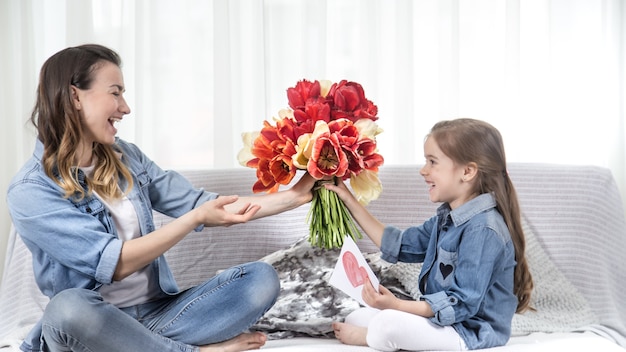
(214,213)
(139,252)
(303,189)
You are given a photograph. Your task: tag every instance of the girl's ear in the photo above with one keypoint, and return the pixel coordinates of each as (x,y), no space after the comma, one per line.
(75,98)
(470,171)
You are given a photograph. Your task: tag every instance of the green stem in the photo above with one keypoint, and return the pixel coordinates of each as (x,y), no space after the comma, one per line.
(329,220)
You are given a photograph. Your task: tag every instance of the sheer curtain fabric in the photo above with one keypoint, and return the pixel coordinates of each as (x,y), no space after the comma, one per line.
(550,74)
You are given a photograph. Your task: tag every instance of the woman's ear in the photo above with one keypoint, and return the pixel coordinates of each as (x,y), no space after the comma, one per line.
(75,97)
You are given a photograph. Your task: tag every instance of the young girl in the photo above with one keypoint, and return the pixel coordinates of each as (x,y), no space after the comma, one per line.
(83,205)
(474,275)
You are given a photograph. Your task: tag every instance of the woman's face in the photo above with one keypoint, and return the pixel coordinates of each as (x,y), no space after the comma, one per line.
(102,105)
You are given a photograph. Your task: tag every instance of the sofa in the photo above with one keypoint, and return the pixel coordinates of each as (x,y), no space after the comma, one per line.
(576,239)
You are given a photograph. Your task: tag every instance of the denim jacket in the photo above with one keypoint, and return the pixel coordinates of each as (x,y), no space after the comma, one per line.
(467,275)
(74,242)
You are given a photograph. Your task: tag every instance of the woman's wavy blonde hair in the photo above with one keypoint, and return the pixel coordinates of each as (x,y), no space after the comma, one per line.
(59,123)
(468,140)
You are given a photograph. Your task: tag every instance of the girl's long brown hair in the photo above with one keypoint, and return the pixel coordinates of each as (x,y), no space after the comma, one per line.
(59,125)
(468,140)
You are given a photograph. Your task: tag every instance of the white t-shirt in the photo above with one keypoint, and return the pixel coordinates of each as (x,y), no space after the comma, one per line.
(139,287)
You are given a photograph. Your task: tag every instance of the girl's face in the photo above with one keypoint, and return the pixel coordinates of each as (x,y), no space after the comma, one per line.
(102,105)
(445,179)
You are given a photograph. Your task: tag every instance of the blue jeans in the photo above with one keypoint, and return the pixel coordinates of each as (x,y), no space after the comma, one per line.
(217,310)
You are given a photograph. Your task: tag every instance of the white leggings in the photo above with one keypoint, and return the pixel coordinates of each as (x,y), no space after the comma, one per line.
(392,330)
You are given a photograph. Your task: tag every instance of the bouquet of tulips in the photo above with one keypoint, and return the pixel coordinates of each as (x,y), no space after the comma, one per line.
(330,131)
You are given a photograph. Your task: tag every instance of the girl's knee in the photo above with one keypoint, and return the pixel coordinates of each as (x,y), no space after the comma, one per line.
(383,332)
(362,316)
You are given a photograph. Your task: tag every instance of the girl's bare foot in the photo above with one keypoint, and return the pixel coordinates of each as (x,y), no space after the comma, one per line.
(243,342)
(350,334)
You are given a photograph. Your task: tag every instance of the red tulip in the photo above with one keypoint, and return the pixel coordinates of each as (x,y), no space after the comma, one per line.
(327,157)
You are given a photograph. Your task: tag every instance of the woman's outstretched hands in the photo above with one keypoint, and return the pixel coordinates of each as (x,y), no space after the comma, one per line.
(214,213)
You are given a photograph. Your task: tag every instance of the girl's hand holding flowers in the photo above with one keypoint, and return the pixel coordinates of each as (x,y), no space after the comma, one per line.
(330,132)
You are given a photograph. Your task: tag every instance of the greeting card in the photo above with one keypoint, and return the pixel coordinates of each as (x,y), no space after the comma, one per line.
(351,270)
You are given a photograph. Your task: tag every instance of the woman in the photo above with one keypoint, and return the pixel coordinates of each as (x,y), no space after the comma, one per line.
(83,205)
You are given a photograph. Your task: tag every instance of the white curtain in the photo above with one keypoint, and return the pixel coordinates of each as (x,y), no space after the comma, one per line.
(550,74)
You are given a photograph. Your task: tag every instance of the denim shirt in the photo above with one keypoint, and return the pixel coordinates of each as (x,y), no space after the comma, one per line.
(74,242)
(467,275)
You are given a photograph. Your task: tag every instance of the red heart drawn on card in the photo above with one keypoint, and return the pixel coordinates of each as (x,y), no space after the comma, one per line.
(356,274)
